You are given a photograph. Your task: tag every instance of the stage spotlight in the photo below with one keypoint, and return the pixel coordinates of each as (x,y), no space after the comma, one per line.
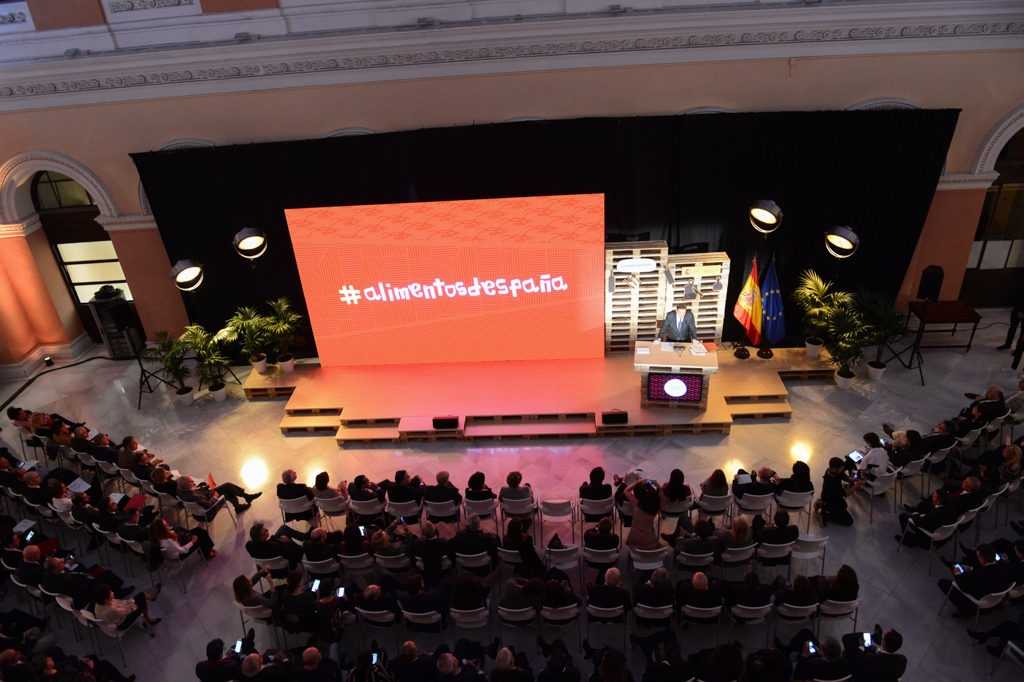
(841,241)
(765,216)
(187,274)
(250,243)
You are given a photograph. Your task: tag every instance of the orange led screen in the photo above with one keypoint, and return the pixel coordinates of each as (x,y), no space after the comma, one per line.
(454,281)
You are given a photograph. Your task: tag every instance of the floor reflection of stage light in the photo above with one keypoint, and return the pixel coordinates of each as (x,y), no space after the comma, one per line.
(801,452)
(730,467)
(254,473)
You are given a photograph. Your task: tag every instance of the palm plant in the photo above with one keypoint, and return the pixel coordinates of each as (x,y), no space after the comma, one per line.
(170,353)
(884,323)
(249,327)
(818,301)
(211,363)
(283,327)
(845,338)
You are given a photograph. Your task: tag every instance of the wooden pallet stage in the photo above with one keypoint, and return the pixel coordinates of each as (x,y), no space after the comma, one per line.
(522,400)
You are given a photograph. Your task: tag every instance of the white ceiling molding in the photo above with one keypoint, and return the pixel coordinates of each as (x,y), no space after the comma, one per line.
(195,65)
(707,110)
(134,10)
(882,103)
(985,160)
(20,168)
(186,143)
(951,181)
(350,132)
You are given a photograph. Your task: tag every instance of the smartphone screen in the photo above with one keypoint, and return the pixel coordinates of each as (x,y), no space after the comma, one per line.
(238,647)
(70,559)
(401,520)
(856,456)
(810,648)
(315,585)
(373,659)
(21,464)
(340,592)
(28,537)
(362,530)
(958,569)
(867,640)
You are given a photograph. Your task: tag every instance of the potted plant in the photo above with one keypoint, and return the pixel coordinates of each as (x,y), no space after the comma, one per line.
(249,327)
(884,324)
(817,299)
(282,329)
(844,342)
(211,363)
(170,353)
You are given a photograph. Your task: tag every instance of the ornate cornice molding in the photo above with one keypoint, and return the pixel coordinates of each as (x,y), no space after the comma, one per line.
(127,223)
(882,103)
(22,229)
(457,48)
(13,18)
(951,181)
(997,137)
(129,5)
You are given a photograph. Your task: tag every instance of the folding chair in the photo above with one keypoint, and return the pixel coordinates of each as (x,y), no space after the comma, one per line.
(328,568)
(331,507)
(909,470)
(485,509)
(437,512)
(940,534)
(523,509)
(989,601)
(648,559)
(754,505)
(838,610)
(784,551)
(564,559)
(751,615)
(601,559)
(791,614)
(510,557)
(206,516)
(937,457)
(382,620)
(171,554)
(698,616)
(558,510)
(735,557)
(517,618)
(426,622)
(366,510)
(471,620)
(675,510)
(399,564)
(1014,652)
(562,617)
(359,564)
(795,502)
(808,547)
(409,511)
(592,511)
(714,505)
(298,505)
(599,616)
(694,563)
(879,487)
(645,616)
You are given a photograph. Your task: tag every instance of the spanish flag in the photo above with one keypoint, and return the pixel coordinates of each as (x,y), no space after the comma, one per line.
(748,307)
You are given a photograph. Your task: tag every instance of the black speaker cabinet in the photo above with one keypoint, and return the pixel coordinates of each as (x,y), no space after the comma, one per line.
(446,422)
(614,417)
(931,283)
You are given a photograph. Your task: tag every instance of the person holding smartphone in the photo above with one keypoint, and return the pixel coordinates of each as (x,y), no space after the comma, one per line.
(873,654)
(219,667)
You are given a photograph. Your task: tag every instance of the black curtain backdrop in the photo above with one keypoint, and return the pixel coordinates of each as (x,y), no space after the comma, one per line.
(684,179)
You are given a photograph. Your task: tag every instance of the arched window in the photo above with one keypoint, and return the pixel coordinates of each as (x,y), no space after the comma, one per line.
(52,190)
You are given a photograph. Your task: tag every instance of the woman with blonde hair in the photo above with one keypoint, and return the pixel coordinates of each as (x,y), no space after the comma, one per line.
(736,537)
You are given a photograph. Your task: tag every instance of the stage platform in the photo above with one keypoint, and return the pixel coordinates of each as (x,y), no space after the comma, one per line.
(521,400)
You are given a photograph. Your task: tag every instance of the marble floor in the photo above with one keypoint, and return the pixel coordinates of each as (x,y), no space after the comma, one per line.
(239,441)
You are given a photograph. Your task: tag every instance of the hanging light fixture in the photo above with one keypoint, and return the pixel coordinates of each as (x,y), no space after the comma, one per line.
(841,241)
(187,274)
(765,216)
(250,243)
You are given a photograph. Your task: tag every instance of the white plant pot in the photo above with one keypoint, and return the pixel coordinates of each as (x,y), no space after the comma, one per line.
(843,382)
(286,365)
(187,398)
(875,373)
(260,365)
(812,348)
(221,394)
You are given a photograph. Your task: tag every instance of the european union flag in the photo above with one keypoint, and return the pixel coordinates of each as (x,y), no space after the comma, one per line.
(773,322)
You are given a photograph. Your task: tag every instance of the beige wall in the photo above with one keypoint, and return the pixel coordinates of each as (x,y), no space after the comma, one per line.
(52,278)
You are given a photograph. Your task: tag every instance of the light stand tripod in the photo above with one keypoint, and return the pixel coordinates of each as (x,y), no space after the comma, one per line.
(915,348)
(144,374)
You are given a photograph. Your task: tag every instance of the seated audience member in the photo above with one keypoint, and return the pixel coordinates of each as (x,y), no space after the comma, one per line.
(130,529)
(83,512)
(10,554)
(477,490)
(30,566)
(879,662)
(81,583)
(289,489)
(736,537)
(123,613)
(432,550)
(703,541)
(15,667)
(280,670)
(207,499)
(511,666)
(405,488)
(901,456)
(162,536)
(655,592)
(322,489)
(601,537)
(676,489)
(298,603)
(362,489)
(34,493)
(749,592)
(450,670)
(990,577)
(514,488)
(468,594)
(699,592)
(412,665)
(142,466)
(991,405)
(102,450)
(59,499)
(875,460)
(110,517)
(799,482)
(263,546)
(827,663)
(716,485)
(596,488)
(443,492)
(517,539)
(80,441)
(559,667)
(943,513)
(610,594)
(763,484)
(843,586)
(646,500)
(964,496)
(242,586)
(972,422)
(316,668)
(1008,551)
(391,542)
(163,483)
(768,665)
(722,664)
(472,540)
(1007,631)
(126,454)
(831,506)
(374,598)
(417,599)
(354,543)
(800,593)
(1009,468)
(668,668)
(26,419)
(780,532)
(319,546)
(366,670)
(520,593)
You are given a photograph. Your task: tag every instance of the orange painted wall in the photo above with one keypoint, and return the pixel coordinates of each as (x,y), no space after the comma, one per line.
(50,14)
(38,313)
(17,337)
(217,6)
(147,271)
(54,282)
(945,240)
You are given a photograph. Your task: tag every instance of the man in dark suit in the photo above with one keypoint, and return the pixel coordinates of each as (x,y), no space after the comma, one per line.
(679,326)
(317,547)
(413,666)
(610,594)
(11,552)
(102,452)
(34,492)
(217,668)
(443,492)
(80,585)
(943,513)
(262,546)
(699,593)
(431,549)
(601,537)
(991,405)
(30,568)
(780,532)
(880,662)
(362,489)
(827,664)
(373,598)
(992,575)
(762,484)
(472,540)
(130,529)
(418,600)
(290,490)
(705,543)
(405,488)
(80,440)
(596,488)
